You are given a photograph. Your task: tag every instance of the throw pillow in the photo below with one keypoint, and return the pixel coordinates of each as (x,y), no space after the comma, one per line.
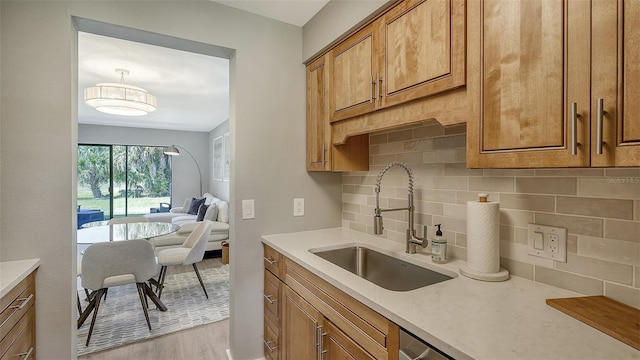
(186,205)
(212,213)
(195,205)
(202,210)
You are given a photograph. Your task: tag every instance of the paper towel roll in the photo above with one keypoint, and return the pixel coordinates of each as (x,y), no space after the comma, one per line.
(483,236)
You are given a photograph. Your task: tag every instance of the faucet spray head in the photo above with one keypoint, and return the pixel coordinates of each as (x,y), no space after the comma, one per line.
(377,224)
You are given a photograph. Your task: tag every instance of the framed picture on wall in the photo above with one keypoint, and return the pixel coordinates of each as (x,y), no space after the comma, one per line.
(225,171)
(218,158)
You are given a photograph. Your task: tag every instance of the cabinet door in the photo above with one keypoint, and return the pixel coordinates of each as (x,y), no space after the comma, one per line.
(529,62)
(318,127)
(336,345)
(423,46)
(300,328)
(353,67)
(615,102)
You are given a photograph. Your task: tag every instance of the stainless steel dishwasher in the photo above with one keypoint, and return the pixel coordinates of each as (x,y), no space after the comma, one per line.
(412,348)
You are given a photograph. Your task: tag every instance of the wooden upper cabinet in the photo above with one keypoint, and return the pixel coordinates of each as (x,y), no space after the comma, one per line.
(528,63)
(423,43)
(318,127)
(615,83)
(415,49)
(536,72)
(353,66)
(322,155)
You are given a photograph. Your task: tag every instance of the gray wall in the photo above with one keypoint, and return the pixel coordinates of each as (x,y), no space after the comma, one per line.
(335,19)
(184,171)
(39,137)
(0,132)
(218,188)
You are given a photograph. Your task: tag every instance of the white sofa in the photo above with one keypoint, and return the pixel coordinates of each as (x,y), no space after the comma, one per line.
(187,223)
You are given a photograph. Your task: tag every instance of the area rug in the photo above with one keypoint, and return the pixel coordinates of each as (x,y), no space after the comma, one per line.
(121,319)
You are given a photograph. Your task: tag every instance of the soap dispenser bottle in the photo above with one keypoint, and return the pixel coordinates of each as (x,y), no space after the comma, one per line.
(439,247)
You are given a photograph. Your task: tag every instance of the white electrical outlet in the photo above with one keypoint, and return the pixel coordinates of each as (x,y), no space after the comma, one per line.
(547,242)
(248,209)
(298,207)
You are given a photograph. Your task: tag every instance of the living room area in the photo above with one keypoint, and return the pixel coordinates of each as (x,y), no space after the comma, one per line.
(162,167)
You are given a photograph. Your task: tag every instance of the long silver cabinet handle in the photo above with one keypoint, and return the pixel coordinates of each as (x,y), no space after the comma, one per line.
(322,160)
(599,119)
(270,298)
(372,84)
(271,261)
(26,355)
(574,128)
(25,301)
(319,341)
(378,85)
(271,349)
(322,343)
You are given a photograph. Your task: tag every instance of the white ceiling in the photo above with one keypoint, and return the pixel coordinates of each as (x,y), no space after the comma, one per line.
(296,12)
(192,89)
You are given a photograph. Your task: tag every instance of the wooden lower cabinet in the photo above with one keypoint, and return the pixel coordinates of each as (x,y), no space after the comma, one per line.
(18,321)
(300,327)
(338,346)
(307,334)
(317,321)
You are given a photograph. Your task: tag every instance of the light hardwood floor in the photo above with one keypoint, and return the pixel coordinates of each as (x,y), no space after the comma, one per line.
(207,342)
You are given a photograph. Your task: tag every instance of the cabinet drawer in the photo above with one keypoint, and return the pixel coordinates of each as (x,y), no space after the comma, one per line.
(271,341)
(272,292)
(273,261)
(366,327)
(16,303)
(19,343)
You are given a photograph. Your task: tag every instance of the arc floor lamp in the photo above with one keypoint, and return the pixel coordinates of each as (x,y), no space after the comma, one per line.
(173,151)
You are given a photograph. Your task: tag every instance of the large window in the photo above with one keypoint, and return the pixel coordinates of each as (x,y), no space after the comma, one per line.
(123,180)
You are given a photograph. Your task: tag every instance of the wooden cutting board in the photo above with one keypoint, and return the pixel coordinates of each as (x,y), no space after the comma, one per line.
(607,315)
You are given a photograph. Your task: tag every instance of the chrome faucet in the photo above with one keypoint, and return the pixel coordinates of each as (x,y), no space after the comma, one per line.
(412,239)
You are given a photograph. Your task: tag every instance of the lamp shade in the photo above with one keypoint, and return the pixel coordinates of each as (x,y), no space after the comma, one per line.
(172,150)
(120,99)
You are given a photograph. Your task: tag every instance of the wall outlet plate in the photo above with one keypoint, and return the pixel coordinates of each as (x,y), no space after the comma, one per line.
(547,241)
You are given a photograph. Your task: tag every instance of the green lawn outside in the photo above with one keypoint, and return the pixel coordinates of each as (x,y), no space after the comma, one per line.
(137,206)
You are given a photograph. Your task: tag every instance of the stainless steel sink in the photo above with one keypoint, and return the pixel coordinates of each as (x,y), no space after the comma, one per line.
(381,269)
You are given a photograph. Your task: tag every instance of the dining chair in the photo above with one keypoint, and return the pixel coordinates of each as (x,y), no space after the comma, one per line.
(127,220)
(109,264)
(190,253)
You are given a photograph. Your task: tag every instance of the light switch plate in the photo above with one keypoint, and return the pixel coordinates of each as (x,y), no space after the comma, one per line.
(548,242)
(298,207)
(248,209)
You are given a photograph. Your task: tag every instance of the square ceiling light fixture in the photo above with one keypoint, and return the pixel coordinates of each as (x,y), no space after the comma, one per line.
(120,99)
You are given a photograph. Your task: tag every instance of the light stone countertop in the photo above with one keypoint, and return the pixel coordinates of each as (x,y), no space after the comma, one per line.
(12,272)
(463,317)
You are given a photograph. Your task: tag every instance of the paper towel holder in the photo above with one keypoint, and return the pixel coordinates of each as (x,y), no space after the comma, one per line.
(501,275)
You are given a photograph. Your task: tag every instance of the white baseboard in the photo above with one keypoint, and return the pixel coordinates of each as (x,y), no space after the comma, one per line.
(231,358)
